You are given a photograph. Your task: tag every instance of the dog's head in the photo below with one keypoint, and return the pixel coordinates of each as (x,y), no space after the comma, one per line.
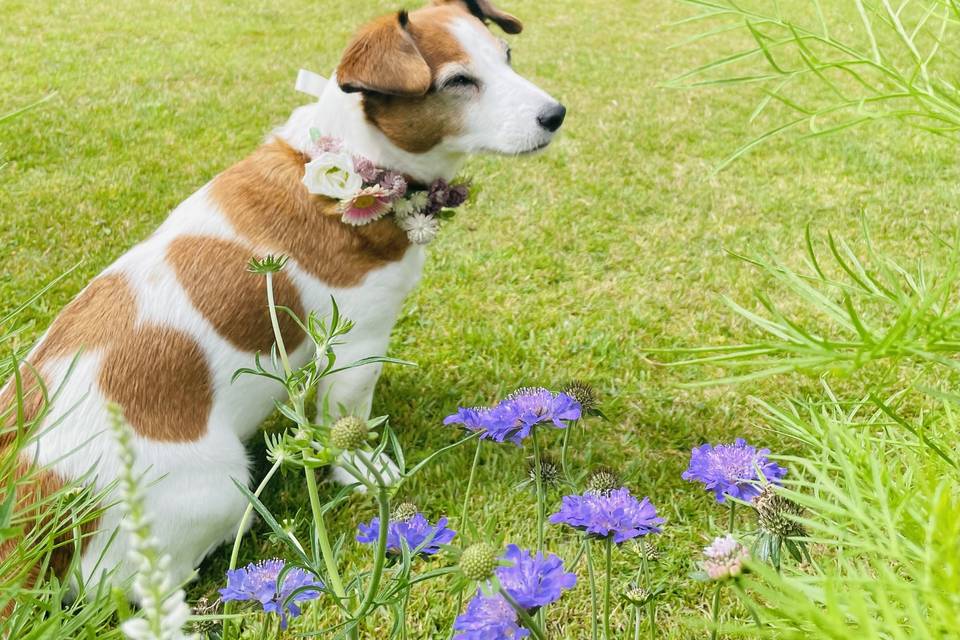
(438,79)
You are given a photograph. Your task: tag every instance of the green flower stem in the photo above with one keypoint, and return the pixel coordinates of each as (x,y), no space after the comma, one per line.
(463,514)
(733,511)
(383,500)
(572,565)
(606,588)
(563,451)
(271,305)
(541,498)
(651,602)
(592,577)
(329,561)
(715,615)
(525,618)
(636,623)
(466,495)
(748,603)
(235,552)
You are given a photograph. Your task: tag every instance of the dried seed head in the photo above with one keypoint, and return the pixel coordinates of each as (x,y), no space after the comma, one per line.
(775,514)
(637,596)
(349,433)
(404,512)
(478,561)
(603,480)
(549,471)
(584,393)
(648,550)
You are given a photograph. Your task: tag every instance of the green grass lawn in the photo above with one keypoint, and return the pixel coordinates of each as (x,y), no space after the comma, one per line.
(571,264)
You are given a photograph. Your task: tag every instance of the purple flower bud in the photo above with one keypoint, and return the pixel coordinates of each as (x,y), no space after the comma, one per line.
(457,195)
(366,169)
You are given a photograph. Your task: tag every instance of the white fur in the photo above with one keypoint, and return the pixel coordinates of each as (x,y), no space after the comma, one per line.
(192,501)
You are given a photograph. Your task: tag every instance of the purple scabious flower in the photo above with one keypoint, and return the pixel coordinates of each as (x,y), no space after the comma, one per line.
(617,513)
(259,582)
(533,580)
(415,531)
(472,418)
(734,470)
(489,618)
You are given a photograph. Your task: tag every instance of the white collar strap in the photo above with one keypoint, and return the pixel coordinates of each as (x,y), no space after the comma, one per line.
(310,83)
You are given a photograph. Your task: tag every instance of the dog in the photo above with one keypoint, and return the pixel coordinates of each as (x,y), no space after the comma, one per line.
(160,331)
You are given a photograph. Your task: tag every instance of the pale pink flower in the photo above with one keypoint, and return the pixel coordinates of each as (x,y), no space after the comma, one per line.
(724,558)
(366,205)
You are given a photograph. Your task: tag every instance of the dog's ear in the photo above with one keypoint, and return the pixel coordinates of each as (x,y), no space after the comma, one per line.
(384,58)
(485,10)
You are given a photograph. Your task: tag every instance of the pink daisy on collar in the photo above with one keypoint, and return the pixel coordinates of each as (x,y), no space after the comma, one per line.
(366,205)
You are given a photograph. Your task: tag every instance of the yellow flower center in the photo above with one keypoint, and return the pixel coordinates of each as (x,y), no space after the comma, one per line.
(364,202)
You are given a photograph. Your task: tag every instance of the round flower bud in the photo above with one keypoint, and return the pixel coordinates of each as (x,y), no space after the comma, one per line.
(775,514)
(549,471)
(584,393)
(478,561)
(724,558)
(349,433)
(648,550)
(637,596)
(404,512)
(602,481)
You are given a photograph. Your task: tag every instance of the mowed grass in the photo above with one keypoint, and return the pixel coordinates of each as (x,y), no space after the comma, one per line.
(571,264)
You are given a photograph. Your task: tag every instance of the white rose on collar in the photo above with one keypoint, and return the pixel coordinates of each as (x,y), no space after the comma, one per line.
(332,175)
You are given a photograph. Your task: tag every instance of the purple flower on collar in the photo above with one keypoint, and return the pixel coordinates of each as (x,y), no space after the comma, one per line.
(415,531)
(366,169)
(259,582)
(736,470)
(457,195)
(617,513)
(395,183)
(489,618)
(533,580)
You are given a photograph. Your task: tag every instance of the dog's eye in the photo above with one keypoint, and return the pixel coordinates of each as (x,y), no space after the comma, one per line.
(509,56)
(460,81)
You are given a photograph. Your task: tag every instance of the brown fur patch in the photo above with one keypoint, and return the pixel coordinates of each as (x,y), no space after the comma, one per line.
(102,311)
(159,376)
(161,379)
(35,493)
(415,121)
(213,273)
(264,198)
(382,57)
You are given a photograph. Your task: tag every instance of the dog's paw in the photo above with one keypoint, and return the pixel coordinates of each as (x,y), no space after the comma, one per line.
(387,468)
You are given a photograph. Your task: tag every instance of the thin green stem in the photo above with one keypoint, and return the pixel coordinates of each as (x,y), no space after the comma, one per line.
(241,529)
(636,623)
(528,622)
(463,514)
(563,450)
(606,588)
(541,499)
(748,603)
(329,561)
(592,578)
(651,603)
(383,501)
(715,612)
(733,511)
(271,305)
(466,495)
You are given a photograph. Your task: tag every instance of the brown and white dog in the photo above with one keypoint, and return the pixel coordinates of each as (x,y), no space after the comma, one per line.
(162,329)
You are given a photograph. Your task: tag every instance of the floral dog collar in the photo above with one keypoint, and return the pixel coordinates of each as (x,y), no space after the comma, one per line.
(367,192)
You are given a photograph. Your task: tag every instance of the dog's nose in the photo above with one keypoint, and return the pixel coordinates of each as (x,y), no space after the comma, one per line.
(551,118)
